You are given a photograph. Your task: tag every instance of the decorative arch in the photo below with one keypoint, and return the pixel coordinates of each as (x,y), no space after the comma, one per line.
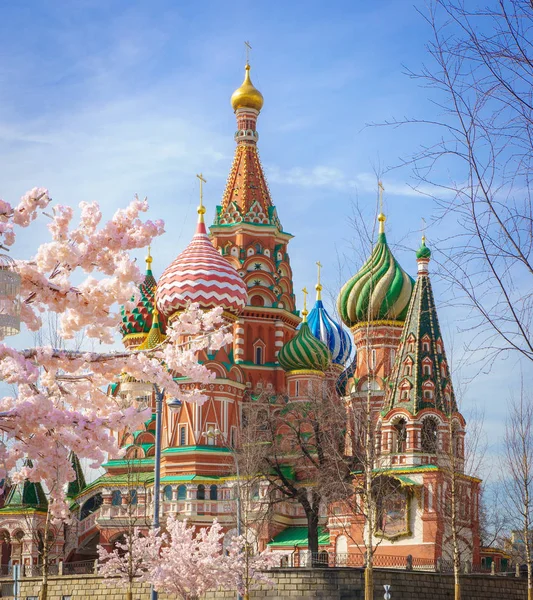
(217,369)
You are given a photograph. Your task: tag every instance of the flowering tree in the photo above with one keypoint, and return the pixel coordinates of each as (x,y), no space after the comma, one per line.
(129,560)
(249,569)
(192,563)
(83,275)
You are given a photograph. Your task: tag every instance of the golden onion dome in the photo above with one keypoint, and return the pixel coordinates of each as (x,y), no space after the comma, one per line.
(247,96)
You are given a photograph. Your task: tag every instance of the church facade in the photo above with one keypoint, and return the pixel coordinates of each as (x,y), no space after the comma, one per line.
(387,353)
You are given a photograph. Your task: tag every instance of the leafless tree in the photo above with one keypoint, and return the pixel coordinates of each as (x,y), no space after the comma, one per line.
(518,470)
(291,440)
(480,76)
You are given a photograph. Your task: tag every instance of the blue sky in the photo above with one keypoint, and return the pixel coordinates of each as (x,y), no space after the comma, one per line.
(101,100)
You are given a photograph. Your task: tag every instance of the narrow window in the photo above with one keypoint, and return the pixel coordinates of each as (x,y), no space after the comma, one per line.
(116,498)
(167,493)
(183,435)
(373,363)
(401,435)
(200,492)
(258,355)
(182,492)
(213,493)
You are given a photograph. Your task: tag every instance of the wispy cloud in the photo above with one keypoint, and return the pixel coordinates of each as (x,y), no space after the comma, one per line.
(335,178)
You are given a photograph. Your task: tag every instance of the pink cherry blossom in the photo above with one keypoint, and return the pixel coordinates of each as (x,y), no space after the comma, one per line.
(83,274)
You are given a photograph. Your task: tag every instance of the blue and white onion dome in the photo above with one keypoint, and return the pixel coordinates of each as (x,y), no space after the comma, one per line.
(331,333)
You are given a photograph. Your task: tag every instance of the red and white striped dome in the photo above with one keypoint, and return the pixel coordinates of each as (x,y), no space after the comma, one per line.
(200,274)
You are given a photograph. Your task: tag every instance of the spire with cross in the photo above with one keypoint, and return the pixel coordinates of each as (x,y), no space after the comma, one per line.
(318,286)
(201,207)
(248,48)
(381,217)
(305,311)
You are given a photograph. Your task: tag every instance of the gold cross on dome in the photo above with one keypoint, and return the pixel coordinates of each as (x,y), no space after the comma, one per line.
(201,209)
(423,229)
(248,48)
(304,311)
(318,286)
(381,190)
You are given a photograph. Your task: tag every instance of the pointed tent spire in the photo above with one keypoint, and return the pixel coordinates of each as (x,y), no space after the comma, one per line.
(79,484)
(420,377)
(155,336)
(26,494)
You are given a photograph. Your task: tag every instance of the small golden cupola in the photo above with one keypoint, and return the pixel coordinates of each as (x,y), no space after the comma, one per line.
(247,96)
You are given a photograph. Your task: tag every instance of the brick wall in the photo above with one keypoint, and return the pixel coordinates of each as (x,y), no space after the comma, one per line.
(306,584)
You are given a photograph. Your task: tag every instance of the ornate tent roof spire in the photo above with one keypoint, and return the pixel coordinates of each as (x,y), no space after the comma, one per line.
(420,376)
(247,198)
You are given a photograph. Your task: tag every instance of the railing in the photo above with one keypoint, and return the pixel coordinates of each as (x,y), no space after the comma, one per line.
(357,560)
(37,570)
(6,570)
(85,567)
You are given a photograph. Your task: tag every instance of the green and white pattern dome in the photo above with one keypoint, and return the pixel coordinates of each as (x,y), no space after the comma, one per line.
(304,352)
(380,291)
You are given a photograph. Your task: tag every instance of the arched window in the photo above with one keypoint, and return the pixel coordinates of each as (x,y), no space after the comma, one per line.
(182,492)
(116,498)
(430,435)
(258,356)
(133,498)
(167,493)
(213,493)
(401,435)
(200,492)
(92,505)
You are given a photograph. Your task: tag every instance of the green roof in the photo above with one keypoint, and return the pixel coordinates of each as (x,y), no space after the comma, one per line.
(180,478)
(297,536)
(131,479)
(181,449)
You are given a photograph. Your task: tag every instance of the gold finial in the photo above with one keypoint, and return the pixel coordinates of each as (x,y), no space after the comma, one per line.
(304,311)
(201,208)
(423,230)
(318,286)
(381,217)
(248,48)
(149,260)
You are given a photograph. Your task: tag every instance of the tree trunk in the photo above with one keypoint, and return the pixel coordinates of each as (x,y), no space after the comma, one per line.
(369,582)
(129,594)
(312,534)
(43,592)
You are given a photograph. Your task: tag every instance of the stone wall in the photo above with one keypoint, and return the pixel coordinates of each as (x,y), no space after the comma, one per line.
(306,584)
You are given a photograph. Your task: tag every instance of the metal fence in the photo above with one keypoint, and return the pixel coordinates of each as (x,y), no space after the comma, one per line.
(357,560)
(85,567)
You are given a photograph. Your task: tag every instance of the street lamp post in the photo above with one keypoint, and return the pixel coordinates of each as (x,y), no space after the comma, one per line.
(157,466)
(215,433)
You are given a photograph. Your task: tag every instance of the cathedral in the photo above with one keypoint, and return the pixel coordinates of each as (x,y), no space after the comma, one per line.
(386,351)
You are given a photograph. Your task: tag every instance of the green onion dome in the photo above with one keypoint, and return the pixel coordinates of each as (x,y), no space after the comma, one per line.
(423,251)
(137,322)
(304,352)
(380,291)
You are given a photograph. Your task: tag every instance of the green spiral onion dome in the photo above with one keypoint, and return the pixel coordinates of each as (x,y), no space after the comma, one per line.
(381,290)
(304,352)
